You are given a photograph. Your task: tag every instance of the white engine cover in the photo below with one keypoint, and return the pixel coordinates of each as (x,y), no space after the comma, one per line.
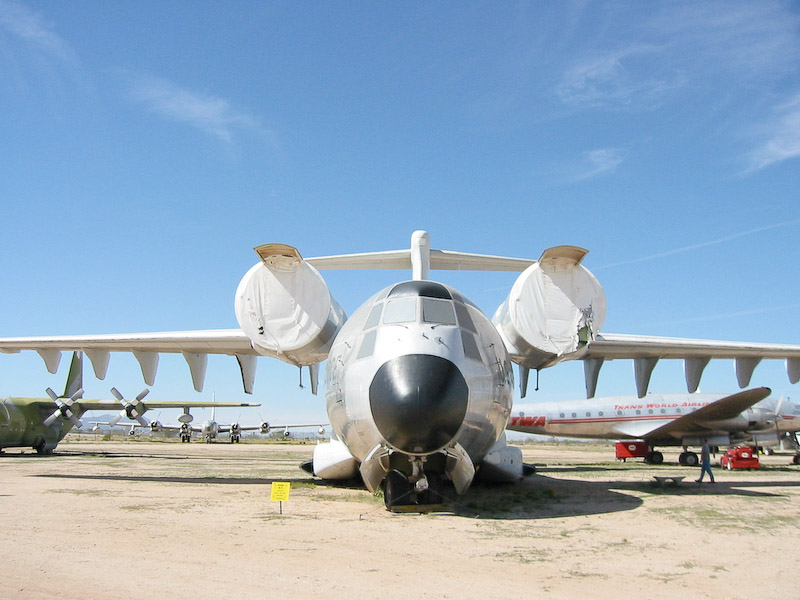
(555,306)
(284,306)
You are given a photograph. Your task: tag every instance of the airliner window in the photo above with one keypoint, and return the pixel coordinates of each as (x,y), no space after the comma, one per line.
(374,316)
(463,317)
(438,311)
(367,344)
(402,310)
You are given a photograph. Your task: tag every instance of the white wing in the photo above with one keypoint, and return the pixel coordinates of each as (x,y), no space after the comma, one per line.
(195,346)
(646,351)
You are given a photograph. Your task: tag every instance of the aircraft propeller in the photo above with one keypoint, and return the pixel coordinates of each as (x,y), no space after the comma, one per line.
(265,426)
(63,408)
(155,424)
(132,409)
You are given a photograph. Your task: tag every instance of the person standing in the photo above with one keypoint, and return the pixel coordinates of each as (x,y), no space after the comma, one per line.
(705,462)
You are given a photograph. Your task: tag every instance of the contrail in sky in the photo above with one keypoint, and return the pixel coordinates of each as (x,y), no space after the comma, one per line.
(701,245)
(730,315)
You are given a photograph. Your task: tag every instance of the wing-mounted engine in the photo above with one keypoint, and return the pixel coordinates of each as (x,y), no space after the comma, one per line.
(284,306)
(555,307)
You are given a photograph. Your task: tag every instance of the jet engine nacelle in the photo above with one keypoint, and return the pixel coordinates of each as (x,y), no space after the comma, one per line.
(284,306)
(554,308)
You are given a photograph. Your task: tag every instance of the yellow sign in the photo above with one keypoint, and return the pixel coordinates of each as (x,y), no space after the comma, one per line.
(280,491)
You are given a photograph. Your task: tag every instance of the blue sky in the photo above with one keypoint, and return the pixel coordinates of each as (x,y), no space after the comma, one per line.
(148,146)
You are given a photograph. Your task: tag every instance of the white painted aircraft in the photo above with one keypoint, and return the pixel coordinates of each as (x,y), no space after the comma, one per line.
(668,420)
(210,429)
(419,382)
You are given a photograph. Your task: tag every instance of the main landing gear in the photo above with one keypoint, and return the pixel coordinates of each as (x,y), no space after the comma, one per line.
(654,457)
(688,459)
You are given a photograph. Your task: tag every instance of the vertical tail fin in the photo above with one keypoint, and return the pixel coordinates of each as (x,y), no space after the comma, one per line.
(75,377)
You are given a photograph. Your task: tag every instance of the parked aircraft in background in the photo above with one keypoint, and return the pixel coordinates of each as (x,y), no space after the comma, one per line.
(41,423)
(668,420)
(419,382)
(210,429)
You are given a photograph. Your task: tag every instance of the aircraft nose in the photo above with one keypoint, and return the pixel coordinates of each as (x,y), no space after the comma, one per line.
(418,402)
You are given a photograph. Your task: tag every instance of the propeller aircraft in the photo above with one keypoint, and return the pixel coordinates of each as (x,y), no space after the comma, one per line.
(668,420)
(41,423)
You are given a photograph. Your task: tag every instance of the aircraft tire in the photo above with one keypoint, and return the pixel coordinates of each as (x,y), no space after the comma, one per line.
(691,460)
(654,458)
(396,490)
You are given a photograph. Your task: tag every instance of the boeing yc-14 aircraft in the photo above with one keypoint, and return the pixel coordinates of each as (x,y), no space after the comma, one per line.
(669,420)
(419,383)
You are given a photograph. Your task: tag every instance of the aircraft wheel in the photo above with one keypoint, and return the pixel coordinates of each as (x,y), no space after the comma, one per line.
(654,458)
(691,460)
(396,490)
(433,494)
(682,458)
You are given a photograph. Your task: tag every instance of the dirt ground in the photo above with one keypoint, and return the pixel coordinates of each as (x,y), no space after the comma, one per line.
(118,520)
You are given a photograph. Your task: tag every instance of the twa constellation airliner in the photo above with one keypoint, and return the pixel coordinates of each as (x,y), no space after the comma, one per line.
(418,383)
(668,420)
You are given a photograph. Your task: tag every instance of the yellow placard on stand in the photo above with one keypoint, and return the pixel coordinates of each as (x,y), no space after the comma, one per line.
(280,491)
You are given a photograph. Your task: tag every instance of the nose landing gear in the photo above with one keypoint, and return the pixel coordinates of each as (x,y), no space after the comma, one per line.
(419,492)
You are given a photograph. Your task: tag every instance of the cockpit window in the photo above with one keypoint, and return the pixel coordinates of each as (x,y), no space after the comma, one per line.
(463,317)
(367,344)
(438,311)
(470,346)
(374,317)
(401,310)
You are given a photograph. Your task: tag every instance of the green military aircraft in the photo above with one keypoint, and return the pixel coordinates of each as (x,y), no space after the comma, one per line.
(41,423)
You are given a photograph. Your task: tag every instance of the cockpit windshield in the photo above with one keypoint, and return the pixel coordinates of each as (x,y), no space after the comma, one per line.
(438,311)
(401,310)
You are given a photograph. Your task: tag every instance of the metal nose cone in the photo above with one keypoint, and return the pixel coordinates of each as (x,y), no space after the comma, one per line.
(418,402)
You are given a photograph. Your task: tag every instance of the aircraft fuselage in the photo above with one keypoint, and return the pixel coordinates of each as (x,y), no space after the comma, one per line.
(415,371)
(21,424)
(629,417)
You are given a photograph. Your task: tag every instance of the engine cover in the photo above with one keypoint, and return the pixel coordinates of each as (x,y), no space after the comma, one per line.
(284,306)
(554,308)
